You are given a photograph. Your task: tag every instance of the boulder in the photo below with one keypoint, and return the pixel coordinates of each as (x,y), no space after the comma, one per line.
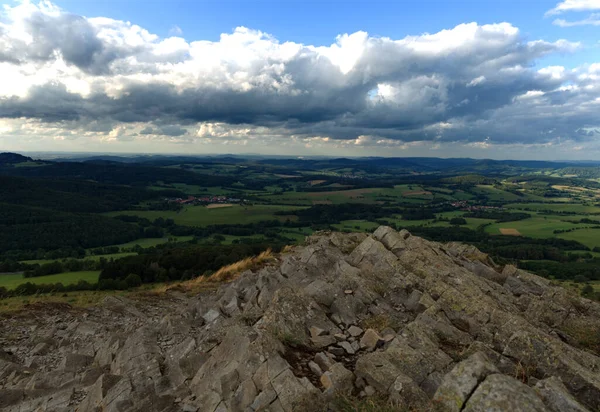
(503,393)
(461,381)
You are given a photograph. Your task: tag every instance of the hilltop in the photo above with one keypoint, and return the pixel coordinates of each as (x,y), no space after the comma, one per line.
(347,321)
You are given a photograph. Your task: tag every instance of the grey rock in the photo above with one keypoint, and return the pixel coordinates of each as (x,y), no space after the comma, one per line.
(462,380)
(503,393)
(556,396)
(371,339)
(355,331)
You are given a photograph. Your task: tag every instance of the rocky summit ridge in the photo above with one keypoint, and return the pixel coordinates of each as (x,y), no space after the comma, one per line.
(388,317)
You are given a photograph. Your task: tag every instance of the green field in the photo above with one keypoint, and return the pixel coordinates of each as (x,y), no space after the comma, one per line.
(150,242)
(538,226)
(589,237)
(561,207)
(356,226)
(202,216)
(89,257)
(11,281)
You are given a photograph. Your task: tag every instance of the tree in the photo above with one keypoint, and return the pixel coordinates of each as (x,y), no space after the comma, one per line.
(458,221)
(132,280)
(587,291)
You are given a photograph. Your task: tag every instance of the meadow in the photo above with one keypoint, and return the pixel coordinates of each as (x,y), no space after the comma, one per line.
(202,216)
(12,280)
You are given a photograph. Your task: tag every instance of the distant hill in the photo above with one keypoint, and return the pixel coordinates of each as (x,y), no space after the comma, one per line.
(13,158)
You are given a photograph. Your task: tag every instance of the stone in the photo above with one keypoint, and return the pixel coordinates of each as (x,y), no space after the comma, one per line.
(315,368)
(461,381)
(323,361)
(264,399)
(316,332)
(74,362)
(336,351)
(556,396)
(338,379)
(322,341)
(348,291)
(371,339)
(340,337)
(289,390)
(244,396)
(355,331)
(211,315)
(347,347)
(503,393)
(369,390)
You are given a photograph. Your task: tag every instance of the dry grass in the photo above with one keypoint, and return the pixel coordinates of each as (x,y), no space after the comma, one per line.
(316,182)
(224,275)
(218,205)
(509,231)
(378,323)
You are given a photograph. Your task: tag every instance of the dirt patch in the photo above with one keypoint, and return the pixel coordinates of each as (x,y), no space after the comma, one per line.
(509,231)
(218,205)
(415,193)
(322,202)
(288,176)
(316,182)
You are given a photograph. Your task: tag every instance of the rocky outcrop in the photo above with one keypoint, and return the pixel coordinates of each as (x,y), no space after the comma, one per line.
(422,325)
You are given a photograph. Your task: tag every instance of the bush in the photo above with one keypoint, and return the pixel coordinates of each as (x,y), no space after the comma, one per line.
(458,221)
(132,280)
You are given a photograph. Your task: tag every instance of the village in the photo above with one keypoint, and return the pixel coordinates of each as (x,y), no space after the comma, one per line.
(464,205)
(204,200)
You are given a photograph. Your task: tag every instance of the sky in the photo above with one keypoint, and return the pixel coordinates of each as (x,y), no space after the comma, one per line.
(497,79)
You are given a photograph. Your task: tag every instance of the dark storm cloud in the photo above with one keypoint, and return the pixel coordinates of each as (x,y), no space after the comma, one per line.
(464,84)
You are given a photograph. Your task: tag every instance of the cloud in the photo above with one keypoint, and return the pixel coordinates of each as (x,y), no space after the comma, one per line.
(592,20)
(574,5)
(175,31)
(107,81)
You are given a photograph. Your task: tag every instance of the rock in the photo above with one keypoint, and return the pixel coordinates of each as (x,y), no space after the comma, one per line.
(289,389)
(323,361)
(556,397)
(462,380)
(315,332)
(503,393)
(40,349)
(74,362)
(264,399)
(211,315)
(244,396)
(371,340)
(98,391)
(315,368)
(338,379)
(347,347)
(355,331)
(336,351)
(462,331)
(322,341)
(405,393)
(348,291)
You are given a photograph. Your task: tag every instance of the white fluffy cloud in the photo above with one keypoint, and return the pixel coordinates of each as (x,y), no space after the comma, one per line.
(102,81)
(574,5)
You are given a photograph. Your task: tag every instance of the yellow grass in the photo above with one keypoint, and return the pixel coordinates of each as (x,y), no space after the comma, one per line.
(224,275)
(509,231)
(218,205)
(316,182)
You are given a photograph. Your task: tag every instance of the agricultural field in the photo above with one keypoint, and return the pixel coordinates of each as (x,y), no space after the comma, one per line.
(149,242)
(11,281)
(203,216)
